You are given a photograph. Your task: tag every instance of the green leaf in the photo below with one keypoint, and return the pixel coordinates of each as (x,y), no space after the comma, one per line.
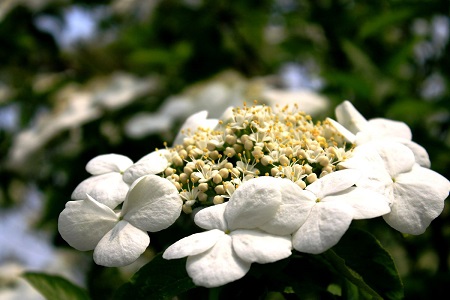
(55,287)
(411,111)
(363,255)
(380,22)
(160,279)
(353,277)
(360,60)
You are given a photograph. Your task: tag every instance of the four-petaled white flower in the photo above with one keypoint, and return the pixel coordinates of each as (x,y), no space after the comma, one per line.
(333,203)
(118,239)
(357,130)
(416,194)
(234,240)
(319,215)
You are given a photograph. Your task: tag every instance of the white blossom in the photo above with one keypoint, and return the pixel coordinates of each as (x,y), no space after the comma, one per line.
(331,203)
(233,239)
(416,194)
(118,239)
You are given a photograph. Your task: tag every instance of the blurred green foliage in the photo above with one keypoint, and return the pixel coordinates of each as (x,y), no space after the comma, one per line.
(381,55)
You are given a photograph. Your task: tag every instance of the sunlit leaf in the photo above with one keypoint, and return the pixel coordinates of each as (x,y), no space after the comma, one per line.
(54,287)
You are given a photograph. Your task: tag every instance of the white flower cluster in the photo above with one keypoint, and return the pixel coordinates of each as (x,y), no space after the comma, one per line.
(261,181)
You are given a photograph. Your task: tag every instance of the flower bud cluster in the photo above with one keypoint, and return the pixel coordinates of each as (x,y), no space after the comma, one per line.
(252,141)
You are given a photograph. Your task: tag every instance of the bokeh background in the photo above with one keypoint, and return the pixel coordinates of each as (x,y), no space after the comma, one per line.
(90,77)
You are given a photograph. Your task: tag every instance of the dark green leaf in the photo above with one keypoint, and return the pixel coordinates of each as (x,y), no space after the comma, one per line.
(308,276)
(55,287)
(363,254)
(380,22)
(360,59)
(353,277)
(159,279)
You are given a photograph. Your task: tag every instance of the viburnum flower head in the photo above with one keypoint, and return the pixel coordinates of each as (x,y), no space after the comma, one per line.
(261,182)
(118,239)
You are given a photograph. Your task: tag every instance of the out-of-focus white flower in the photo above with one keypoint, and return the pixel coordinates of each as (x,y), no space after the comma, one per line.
(118,239)
(227,89)
(75,107)
(234,240)
(308,101)
(213,95)
(416,193)
(358,130)
(333,202)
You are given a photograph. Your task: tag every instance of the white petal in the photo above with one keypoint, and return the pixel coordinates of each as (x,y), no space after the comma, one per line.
(334,182)
(108,163)
(227,115)
(108,189)
(390,128)
(361,156)
(153,163)
(349,136)
(121,246)
(153,204)
(350,118)
(397,157)
(375,176)
(254,203)
(218,266)
(212,217)
(324,227)
(420,154)
(194,122)
(84,222)
(293,211)
(194,244)
(419,199)
(258,246)
(366,203)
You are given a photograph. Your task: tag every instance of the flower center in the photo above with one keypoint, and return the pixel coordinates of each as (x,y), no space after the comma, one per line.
(254,141)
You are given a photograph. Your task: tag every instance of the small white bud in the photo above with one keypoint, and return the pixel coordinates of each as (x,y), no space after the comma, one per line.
(217,179)
(203,187)
(224,173)
(218,200)
(311,177)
